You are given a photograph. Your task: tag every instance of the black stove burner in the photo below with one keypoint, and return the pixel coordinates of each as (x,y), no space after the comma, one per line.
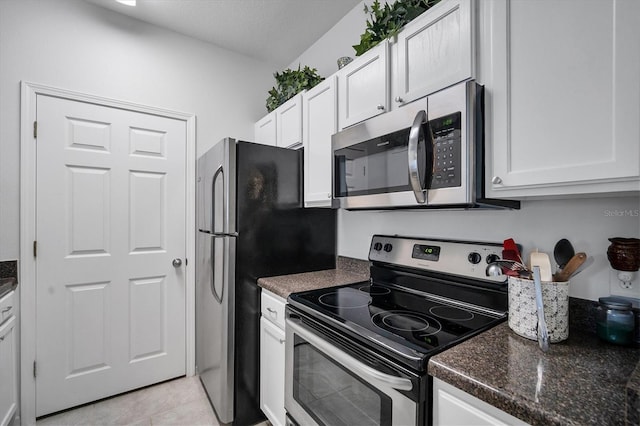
(408,326)
(403,321)
(345,300)
(374,290)
(452,313)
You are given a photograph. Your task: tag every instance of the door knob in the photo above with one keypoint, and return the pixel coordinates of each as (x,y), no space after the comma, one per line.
(496,180)
(380,107)
(176,263)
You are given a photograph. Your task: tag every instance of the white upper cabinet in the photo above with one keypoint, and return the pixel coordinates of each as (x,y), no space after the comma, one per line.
(363,86)
(289,123)
(434,51)
(563,96)
(265,130)
(319,122)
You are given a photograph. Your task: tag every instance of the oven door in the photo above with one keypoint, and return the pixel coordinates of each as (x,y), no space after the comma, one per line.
(324,385)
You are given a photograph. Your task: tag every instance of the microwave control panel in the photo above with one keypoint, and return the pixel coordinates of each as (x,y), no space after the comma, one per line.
(447,140)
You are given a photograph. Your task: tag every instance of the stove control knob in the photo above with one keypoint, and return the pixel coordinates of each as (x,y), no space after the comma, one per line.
(492,258)
(474,257)
(388,247)
(377,246)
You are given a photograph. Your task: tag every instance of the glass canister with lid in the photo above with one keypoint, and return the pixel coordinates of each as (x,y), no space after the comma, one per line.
(615,320)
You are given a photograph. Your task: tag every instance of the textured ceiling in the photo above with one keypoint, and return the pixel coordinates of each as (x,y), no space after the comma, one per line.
(275,31)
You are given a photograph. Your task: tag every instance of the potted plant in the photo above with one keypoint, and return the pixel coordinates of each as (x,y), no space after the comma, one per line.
(385,22)
(291,82)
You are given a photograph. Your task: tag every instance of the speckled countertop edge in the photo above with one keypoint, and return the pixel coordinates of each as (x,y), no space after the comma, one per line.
(580,381)
(348,271)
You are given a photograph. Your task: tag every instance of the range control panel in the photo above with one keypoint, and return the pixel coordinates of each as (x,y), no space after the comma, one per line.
(467,259)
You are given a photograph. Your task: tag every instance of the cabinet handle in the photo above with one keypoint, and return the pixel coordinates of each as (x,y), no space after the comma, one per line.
(398,99)
(328,195)
(7,309)
(271,311)
(496,180)
(282,341)
(380,107)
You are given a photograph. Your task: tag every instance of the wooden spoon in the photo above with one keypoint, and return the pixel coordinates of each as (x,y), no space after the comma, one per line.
(572,265)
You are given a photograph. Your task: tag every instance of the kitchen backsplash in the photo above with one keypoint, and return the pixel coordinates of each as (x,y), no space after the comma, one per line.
(586,222)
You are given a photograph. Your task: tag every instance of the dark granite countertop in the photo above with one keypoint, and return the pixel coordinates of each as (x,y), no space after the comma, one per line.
(347,271)
(6,285)
(578,382)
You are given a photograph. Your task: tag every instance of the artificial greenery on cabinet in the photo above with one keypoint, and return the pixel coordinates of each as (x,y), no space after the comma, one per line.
(386,21)
(291,82)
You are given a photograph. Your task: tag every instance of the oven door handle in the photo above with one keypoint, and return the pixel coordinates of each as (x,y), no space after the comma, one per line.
(412,150)
(398,383)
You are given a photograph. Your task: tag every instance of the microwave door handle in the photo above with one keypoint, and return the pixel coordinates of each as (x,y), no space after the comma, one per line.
(414,171)
(398,383)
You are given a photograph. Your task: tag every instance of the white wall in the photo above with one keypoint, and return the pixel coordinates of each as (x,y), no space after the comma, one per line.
(587,223)
(78,46)
(337,42)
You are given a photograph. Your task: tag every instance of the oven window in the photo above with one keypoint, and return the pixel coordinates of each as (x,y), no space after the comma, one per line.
(331,394)
(379,165)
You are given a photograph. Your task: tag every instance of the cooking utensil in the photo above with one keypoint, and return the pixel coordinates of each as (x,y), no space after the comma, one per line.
(571,267)
(510,250)
(543,333)
(585,265)
(563,252)
(507,267)
(541,260)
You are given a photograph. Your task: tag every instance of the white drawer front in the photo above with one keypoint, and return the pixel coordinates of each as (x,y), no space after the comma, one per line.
(273,308)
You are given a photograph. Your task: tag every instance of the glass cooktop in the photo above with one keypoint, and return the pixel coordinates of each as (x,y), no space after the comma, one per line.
(405,324)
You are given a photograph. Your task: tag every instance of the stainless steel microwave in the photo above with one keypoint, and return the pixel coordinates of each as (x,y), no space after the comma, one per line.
(426,154)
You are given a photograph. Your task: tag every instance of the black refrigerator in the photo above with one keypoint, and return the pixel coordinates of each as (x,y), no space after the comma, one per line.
(250,224)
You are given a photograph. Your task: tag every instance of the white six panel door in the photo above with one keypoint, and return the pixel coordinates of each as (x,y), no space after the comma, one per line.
(110,221)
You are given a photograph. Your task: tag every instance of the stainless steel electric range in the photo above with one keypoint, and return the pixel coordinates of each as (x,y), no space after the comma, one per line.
(358,354)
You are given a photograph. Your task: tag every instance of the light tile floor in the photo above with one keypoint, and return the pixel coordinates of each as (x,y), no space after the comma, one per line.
(179,402)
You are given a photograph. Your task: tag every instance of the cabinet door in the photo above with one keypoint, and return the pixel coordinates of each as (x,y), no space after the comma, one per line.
(453,407)
(265,130)
(289,123)
(8,371)
(272,346)
(319,122)
(363,86)
(435,51)
(562,96)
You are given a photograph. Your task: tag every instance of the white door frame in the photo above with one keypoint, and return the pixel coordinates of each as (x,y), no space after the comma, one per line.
(27,329)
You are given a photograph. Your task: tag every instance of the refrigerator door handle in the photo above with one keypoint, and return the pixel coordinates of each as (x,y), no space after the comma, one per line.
(219,172)
(214,269)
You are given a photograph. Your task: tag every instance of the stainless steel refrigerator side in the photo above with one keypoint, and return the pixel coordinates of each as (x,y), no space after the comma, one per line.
(215,271)
(214,322)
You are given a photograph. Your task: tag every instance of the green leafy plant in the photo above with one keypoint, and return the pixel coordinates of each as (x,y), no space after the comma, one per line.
(386,21)
(291,82)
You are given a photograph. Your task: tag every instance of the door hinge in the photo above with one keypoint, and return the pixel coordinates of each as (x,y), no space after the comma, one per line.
(35,249)
(34,369)
(35,129)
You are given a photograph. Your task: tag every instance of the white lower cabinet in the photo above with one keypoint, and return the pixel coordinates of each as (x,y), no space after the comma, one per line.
(272,347)
(453,407)
(8,370)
